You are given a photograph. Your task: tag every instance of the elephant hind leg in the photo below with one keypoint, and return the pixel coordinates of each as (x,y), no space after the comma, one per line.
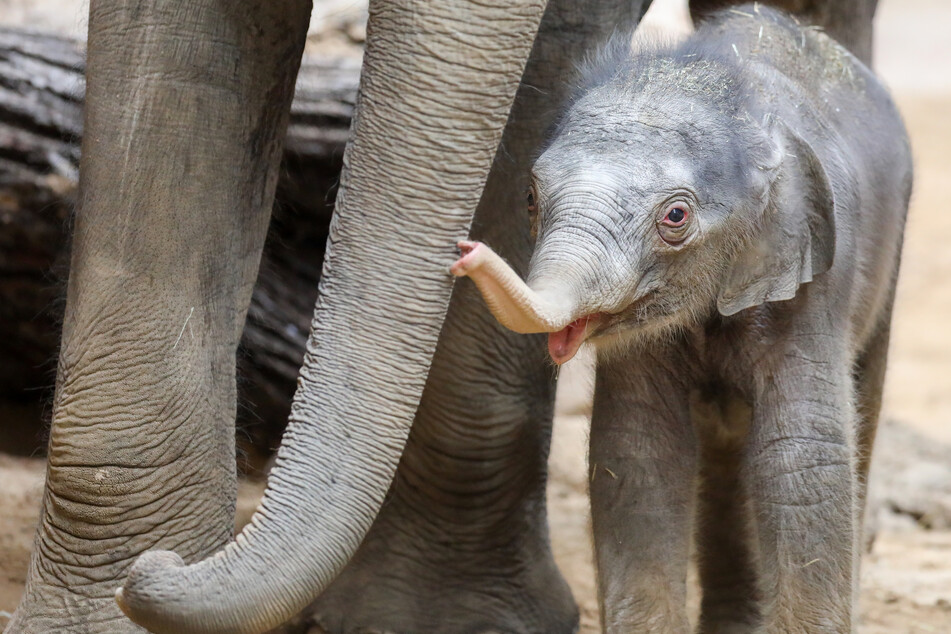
(725,552)
(869,376)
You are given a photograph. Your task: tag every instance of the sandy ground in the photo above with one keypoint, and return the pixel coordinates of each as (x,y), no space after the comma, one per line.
(906,581)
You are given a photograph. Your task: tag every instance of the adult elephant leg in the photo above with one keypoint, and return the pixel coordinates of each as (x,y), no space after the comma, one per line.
(186,109)
(438,82)
(849,22)
(465,520)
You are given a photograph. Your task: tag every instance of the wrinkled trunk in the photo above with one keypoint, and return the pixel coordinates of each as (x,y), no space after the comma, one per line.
(412,178)
(475,465)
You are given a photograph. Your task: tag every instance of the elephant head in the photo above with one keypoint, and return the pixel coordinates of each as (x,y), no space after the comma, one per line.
(666,192)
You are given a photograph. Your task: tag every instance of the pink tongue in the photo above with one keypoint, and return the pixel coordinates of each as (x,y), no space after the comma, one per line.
(563,345)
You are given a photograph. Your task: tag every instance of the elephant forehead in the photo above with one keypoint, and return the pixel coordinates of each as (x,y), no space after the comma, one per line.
(559,173)
(646,140)
(642,170)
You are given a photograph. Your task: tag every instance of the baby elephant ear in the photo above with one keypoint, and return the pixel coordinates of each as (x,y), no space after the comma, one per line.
(796,238)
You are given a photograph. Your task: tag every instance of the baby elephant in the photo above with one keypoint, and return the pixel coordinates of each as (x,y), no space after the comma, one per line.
(722,219)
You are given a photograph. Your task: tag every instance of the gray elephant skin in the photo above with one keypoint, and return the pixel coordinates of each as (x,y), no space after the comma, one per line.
(723,221)
(186,107)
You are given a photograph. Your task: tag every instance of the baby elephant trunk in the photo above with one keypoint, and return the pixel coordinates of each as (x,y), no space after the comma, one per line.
(520,308)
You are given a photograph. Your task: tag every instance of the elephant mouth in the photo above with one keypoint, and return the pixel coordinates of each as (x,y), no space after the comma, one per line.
(564,344)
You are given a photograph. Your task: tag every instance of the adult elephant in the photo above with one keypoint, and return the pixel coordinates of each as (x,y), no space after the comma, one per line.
(186,109)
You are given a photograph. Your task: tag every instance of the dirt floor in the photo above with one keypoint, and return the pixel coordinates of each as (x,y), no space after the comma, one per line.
(906,581)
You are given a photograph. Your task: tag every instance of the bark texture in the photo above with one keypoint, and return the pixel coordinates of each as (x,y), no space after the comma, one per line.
(41,93)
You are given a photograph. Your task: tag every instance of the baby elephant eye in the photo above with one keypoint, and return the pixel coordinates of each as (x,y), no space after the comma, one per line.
(676,216)
(673,226)
(530,200)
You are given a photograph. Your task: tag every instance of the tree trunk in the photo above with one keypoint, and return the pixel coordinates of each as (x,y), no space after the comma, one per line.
(41,92)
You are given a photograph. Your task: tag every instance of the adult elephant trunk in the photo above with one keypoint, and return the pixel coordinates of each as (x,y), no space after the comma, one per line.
(412,176)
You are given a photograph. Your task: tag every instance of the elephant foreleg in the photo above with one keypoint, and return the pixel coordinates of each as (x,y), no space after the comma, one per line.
(869,376)
(186,109)
(800,468)
(643,469)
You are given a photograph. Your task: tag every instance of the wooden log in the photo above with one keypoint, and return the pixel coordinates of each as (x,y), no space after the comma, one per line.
(41,94)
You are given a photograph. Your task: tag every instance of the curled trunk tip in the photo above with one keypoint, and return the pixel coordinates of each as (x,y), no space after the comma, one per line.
(511,301)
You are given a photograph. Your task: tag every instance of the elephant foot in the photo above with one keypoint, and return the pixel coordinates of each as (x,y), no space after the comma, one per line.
(68,614)
(470,611)
(402,585)
(732,628)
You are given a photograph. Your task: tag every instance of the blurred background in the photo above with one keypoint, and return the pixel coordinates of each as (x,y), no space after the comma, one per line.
(907,571)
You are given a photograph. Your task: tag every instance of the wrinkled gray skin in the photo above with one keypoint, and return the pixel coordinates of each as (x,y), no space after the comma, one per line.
(741,353)
(186,108)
